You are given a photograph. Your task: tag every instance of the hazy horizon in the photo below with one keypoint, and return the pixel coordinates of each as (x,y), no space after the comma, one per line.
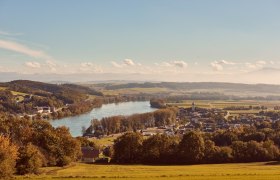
(159,40)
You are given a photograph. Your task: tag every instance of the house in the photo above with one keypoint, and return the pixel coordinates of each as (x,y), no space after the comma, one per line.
(44,109)
(89,154)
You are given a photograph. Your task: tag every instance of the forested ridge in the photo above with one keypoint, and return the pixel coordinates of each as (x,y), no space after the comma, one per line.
(198,85)
(22,96)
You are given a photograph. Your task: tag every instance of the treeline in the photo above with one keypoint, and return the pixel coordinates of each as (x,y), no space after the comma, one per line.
(217,96)
(249,145)
(119,124)
(157,103)
(26,145)
(125,98)
(234,108)
(274,115)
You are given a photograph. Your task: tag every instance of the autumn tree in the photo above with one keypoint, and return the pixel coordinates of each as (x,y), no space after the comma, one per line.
(8,157)
(30,159)
(191,148)
(159,149)
(128,148)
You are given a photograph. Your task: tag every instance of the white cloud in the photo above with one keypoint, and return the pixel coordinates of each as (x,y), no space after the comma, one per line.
(117,65)
(129,62)
(261,63)
(216,66)
(87,64)
(52,65)
(4,33)
(225,62)
(256,65)
(125,63)
(181,64)
(23,49)
(30,64)
(166,64)
(219,65)
(89,67)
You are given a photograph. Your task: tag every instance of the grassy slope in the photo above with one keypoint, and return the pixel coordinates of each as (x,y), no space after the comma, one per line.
(143,172)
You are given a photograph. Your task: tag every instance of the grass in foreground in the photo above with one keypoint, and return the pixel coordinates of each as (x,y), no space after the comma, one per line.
(269,170)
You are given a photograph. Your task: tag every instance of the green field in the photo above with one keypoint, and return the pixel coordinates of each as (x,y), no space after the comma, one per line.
(105,141)
(269,170)
(223,104)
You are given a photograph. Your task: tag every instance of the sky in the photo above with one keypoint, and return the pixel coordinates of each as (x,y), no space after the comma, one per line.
(145,40)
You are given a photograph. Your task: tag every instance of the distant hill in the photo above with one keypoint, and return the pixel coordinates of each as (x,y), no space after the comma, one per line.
(207,86)
(22,96)
(31,87)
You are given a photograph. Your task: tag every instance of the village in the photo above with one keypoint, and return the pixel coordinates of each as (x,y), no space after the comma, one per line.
(187,119)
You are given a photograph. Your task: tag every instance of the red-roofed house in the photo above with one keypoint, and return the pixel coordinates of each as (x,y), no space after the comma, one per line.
(89,154)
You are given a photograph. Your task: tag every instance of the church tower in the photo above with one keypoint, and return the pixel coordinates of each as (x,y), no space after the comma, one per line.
(193,106)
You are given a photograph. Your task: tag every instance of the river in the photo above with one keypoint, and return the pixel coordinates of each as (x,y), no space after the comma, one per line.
(75,123)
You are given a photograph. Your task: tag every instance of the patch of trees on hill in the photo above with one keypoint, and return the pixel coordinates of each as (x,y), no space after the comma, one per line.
(119,124)
(158,103)
(68,93)
(247,145)
(27,86)
(26,145)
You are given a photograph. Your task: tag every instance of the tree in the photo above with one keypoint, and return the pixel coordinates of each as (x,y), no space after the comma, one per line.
(30,159)
(159,149)
(68,148)
(224,138)
(158,103)
(255,152)
(210,151)
(223,155)
(191,148)
(272,150)
(256,136)
(8,157)
(239,151)
(57,144)
(128,148)
(108,151)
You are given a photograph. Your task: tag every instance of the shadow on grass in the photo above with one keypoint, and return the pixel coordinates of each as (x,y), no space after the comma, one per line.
(273,163)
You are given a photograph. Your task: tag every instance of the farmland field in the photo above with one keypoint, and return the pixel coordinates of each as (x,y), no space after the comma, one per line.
(266,170)
(224,104)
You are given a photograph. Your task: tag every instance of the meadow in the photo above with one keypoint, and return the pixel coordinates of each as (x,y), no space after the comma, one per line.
(252,171)
(224,104)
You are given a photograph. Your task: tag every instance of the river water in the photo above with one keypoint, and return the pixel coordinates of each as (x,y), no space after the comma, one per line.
(75,123)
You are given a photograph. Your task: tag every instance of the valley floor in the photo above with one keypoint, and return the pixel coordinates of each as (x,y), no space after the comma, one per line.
(252,171)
